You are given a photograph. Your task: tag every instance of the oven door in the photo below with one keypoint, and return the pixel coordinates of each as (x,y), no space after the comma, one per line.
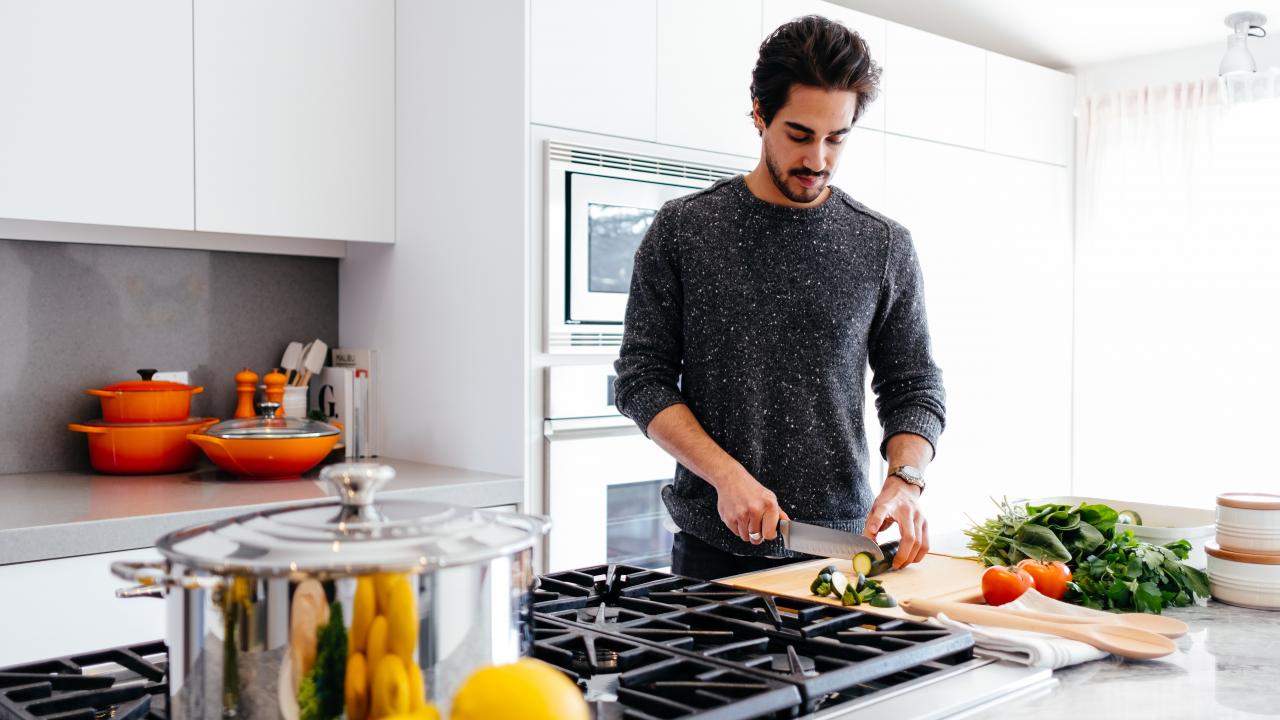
(607,218)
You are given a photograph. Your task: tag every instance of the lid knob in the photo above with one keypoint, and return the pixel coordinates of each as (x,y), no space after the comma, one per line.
(356,483)
(146,373)
(267,409)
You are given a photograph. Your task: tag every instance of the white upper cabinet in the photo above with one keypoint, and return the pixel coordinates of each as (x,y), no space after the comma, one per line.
(861,170)
(706,52)
(872,29)
(95,112)
(1028,110)
(593,65)
(295,118)
(934,88)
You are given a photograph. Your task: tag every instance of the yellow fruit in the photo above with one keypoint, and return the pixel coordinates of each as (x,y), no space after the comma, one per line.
(426,713)
(390,688)
(417,691)
(402,619)
(382,590)
(356,688)
(377,645)
(362,613)
(528,689)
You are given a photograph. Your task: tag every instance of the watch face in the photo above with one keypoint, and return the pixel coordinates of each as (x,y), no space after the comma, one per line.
(909,473)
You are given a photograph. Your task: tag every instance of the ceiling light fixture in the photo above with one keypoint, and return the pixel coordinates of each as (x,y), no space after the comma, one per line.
(1238,58)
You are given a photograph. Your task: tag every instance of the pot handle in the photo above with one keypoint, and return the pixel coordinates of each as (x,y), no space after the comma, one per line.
(91,429)
(197,390)
(156,574)
(103,393)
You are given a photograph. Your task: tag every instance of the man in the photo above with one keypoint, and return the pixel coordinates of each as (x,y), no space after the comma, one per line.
(755,307)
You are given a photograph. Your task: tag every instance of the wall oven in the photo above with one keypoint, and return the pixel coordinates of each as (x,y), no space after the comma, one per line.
(604,478)
(599,205)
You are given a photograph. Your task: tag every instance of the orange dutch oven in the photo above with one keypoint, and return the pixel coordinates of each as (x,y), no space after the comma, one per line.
(267,447)
(142,448)
(146,400)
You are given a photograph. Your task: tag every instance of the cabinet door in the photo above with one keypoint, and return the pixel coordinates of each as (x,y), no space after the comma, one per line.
(1028,110)
(706,52)
(872,29)
(593,65)
(861,170)
(992,236)
(96,118)
(295,117)
(934,87)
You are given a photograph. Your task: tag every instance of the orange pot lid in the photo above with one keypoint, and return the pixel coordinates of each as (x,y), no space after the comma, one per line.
(194,422)
(1212,548)
(146,384)
(1250,501)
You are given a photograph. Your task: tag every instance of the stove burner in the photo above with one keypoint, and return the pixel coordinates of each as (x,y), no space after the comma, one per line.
(792,663)
(605,660)
(599,615)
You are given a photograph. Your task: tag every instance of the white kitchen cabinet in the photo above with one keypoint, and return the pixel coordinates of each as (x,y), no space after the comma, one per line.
(861,169)
(934,87)
(593,65)
(992,234)
(295,118)
(872,29)
(1028,110)
(95,125)
(706,52)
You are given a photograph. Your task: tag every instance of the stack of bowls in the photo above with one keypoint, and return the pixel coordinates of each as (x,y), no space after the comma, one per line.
(144,427)
(1244,560)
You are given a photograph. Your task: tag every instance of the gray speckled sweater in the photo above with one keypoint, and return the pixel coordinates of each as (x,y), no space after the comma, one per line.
(762,319)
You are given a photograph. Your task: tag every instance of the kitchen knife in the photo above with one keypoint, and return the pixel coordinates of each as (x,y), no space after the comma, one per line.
(825,542)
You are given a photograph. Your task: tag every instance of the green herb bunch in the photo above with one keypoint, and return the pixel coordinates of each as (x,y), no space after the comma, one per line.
(1111,570)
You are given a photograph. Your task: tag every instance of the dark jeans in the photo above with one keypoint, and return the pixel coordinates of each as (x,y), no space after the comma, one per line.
(693,558)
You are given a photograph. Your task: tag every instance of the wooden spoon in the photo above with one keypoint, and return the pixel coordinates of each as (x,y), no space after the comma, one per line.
(1158,624)
(1119,640)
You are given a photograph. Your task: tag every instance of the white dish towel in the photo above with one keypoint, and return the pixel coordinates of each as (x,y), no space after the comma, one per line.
(1031,648)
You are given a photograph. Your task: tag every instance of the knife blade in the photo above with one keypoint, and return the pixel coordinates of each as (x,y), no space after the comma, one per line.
(825,542)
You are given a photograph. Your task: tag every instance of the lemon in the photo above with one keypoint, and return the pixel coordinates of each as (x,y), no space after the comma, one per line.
(377,645)
(428,712)
(356,688)
(362,613)
(528,690)
(382,590)
(402,619)
(390,687)
(417,691)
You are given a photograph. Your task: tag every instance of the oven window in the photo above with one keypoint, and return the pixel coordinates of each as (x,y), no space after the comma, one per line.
(613,234)
(636,534)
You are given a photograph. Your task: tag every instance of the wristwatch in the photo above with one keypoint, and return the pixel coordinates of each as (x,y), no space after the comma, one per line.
(909,475)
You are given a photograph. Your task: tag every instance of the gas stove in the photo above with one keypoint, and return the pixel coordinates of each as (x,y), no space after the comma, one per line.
(643,645)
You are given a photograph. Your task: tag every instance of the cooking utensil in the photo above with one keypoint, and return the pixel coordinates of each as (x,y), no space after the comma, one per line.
(312,360)
(290,360)
(1119,640)
(267,447)
(247,595)
(825,542)
(1158,624)
(145,400)
(141,448)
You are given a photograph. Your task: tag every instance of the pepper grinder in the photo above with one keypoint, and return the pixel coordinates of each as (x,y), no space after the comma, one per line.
(246,385)
(275,382)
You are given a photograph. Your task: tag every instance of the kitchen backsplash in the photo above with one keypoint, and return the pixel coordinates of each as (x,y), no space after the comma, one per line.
(76,316)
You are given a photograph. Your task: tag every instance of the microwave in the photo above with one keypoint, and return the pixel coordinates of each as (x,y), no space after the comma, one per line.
(600,203)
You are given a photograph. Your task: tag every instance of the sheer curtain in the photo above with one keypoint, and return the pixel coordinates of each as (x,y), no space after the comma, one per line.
(1177,291)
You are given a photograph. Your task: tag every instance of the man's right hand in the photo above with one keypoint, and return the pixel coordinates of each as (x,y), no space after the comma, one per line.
(748,507)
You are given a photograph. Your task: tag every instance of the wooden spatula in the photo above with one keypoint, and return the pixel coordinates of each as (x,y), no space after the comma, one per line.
(1158,624)
(1119,640)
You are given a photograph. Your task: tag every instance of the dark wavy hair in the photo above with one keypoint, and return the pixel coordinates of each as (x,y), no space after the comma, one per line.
(814,51)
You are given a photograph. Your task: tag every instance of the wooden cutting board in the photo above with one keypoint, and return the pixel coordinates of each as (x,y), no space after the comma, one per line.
(938,577)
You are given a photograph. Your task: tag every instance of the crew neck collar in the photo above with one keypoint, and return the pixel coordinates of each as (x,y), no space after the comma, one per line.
(784,211)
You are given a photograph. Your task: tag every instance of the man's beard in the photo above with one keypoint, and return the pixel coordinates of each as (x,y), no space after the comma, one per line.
(805,195)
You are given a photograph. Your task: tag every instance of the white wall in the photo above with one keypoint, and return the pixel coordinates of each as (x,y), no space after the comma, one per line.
(445,306)
(1180,65)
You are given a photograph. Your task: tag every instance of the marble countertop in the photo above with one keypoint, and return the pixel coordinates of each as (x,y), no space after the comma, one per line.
(64,514)
(1227,666)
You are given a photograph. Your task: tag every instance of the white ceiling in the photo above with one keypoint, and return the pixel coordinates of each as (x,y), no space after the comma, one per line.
(1066,34)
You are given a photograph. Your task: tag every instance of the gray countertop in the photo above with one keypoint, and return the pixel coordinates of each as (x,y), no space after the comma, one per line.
(1228,665)
(63,514)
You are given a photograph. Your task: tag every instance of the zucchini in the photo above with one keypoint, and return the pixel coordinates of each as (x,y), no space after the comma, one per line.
(890,550)
(860,583)
(813,586)
(850,596)
(883,600)
(838,583)
(862,563)
(828,570)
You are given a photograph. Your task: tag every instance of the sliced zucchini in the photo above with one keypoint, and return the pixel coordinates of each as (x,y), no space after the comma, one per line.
(860,583)
(850,596)
(862,563)
(828,569)
(813,586)
(890,550)
(1128,517)
(838,583)
(882,600)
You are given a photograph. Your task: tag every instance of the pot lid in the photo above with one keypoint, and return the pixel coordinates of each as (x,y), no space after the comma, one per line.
(192,422)
(353,535)
(146,384)
(269,427)
(1215,550)
(1250,501)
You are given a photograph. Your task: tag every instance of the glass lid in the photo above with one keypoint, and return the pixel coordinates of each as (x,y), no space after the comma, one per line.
(268,426)
(354,535)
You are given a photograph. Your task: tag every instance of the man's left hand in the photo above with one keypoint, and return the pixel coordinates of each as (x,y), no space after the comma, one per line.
(899,502)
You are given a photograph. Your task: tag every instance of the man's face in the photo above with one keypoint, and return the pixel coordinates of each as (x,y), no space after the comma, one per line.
(802,145)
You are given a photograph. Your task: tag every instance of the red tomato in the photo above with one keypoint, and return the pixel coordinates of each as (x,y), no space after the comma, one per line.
(1050,577)
(1001,584)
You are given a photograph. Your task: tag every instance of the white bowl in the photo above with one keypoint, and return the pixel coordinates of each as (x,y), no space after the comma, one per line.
(1160,523)
(1244,579)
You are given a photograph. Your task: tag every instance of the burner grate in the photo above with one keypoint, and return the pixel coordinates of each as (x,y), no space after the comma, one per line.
(125,684)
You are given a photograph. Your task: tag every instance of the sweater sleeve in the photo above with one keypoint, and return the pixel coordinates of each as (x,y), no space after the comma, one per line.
(908,385)
(649,361)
